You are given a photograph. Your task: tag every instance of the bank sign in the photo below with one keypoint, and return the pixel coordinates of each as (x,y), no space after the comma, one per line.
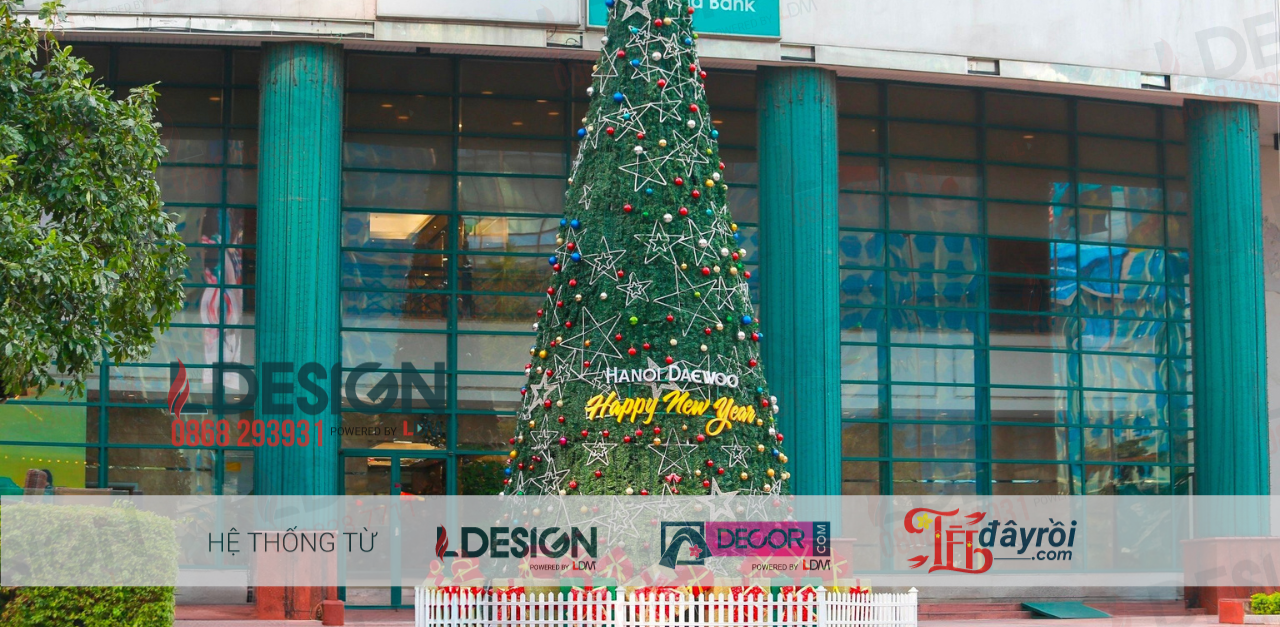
(750,18)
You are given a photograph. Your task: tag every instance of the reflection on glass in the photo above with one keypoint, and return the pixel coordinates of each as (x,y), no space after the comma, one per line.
(860,478)
(935,478)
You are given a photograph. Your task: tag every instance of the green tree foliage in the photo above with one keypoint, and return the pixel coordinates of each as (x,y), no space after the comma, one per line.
(89,260)
(645,374)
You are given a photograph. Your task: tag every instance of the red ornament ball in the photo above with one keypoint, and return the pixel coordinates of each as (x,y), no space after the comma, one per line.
(670,360)
(671,318)
(610,131)
(702,438)
(605,433)
(647,346)
(556,267)
(706,483)
(639,433)
(632,351)
(618,337)
(560,420)
(657,23)
(564,441)
(622,54)
(584,433)
(622,273)
(573,283)
(679,181)
(753,363)
(779,437)
(599,474)
(627,439)
(720,471)
(706,272)
(540,313)
(547,403)
(573,485)
(693,108)
(571,245)
(657,430)
(684,211)
(662,82)
(627,208)
(707,330)
(568,324)
(644,492)
(710,463)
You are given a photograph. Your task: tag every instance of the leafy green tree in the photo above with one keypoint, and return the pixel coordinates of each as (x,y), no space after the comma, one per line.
(89,260)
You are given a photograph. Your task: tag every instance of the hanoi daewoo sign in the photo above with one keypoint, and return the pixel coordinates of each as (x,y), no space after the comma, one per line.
(750,18)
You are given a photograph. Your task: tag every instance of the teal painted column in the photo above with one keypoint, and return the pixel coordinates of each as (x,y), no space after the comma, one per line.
(799,268)
(299,182)
(1228,308)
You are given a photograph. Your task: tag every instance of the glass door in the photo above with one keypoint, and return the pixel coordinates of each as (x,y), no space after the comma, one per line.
(404,472)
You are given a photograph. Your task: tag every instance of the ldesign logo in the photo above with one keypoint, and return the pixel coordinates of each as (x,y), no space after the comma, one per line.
(179,390)
(442,542)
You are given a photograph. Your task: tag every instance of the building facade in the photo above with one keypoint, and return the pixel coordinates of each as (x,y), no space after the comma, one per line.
(995,293)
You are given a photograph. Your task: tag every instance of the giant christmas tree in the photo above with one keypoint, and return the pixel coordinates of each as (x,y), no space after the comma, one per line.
(645,376)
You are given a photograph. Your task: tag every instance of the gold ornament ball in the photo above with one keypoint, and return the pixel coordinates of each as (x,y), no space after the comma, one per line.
(560,403)
(711,183)
(537,512)
(587,343)
(513,454)
(533,424)
(684,427)
(767,488)
(674,342)
(657,441)
(759,423)
(662,143)
(684,266)
(733,271)
(759,448)
(542,353)
(782,458)
(629,491)
(769,472)
(697,472)
(744,476)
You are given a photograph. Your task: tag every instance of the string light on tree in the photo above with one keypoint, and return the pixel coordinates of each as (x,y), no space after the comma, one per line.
(647,311)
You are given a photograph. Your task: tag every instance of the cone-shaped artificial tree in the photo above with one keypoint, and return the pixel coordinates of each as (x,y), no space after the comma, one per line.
(645,375)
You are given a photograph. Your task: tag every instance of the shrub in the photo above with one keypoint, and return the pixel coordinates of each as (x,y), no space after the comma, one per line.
(1265,603)
(153,557)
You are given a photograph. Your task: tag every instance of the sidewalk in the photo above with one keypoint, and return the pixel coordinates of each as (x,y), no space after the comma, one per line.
(1116,621)
(358,618)
(381,619)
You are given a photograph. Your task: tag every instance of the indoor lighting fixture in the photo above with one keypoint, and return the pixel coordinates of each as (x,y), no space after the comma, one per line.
(395,226)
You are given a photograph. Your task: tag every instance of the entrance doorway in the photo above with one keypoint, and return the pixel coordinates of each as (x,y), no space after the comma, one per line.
(397,469)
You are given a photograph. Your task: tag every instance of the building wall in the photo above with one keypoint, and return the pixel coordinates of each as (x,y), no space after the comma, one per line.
(974,359)
(1271,242)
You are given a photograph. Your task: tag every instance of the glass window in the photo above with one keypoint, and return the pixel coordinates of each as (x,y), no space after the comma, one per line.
(1011,318)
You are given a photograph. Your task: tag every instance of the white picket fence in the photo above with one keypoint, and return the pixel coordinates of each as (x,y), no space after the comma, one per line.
(437,608)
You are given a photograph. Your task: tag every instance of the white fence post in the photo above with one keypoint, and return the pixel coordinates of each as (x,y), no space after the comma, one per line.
(438,608)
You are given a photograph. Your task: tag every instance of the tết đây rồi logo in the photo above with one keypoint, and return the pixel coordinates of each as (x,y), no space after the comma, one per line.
(690,543)
(976,545)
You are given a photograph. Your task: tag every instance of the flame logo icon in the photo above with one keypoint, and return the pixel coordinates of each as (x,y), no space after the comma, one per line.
(442,542)
(179,390)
